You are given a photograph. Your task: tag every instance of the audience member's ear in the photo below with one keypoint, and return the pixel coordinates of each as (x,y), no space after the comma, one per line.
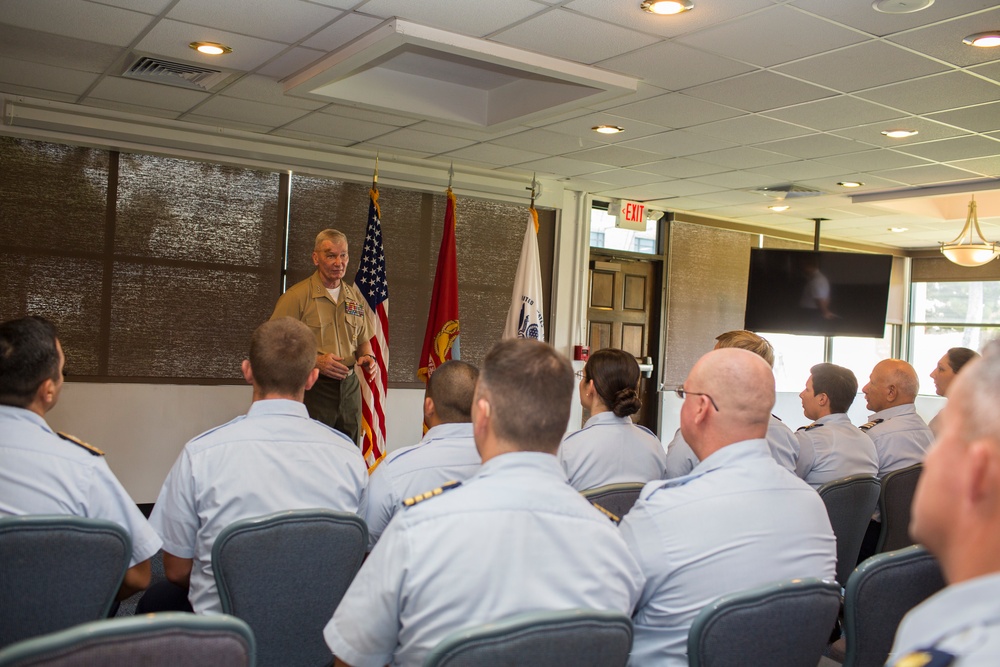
(247,371)
(311,380)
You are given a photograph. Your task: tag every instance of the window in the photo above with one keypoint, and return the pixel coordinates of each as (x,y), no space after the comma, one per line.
(949,314)
(604,234)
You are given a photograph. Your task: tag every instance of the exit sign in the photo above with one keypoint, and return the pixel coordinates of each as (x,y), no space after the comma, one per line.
(631,215)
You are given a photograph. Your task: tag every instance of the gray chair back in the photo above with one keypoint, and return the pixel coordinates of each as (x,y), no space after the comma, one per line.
(572,638)
(616,498)
(285,574)
(878,595)
(153,640)
(850,503)
(894,504)
(786,624)
(57,572)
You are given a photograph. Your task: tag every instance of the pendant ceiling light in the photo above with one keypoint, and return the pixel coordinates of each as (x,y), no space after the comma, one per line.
(966,250)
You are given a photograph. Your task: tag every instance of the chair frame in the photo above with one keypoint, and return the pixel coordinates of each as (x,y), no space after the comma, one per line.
(123,629)
(753,597)
(888,480)
(455,644)
(847,556)
(594,495)
(45,523)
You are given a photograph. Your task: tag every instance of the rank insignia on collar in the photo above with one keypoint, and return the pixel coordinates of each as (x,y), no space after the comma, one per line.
(447,486)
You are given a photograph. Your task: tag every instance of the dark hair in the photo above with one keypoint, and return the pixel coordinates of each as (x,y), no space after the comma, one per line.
(530,387)
(838,383)
(28,357)
(282,354)
(452,386)
(960,356)
(616,375)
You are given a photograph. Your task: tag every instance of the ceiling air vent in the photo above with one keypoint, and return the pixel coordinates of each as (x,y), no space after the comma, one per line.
(157,70)
(788,191)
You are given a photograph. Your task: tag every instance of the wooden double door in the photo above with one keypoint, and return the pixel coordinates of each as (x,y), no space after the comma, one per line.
(624,312)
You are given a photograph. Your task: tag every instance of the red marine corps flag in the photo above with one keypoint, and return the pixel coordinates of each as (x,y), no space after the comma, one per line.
(373,285)
(442,334)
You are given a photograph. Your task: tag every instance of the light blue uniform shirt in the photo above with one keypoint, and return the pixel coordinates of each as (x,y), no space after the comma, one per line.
(447,453)
(737,521)
(831,449)
(514,538)
(963,620)
(780,440)
(272,459)
(611,450)
(901,439)
(41,473)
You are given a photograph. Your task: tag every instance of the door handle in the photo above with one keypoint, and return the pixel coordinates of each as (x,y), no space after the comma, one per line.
(646,367)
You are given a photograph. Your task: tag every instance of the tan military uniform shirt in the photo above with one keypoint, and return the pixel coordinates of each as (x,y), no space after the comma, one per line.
(339,326)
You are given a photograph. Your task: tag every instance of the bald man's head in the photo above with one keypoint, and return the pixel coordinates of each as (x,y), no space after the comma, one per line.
(741,385)
(892,382)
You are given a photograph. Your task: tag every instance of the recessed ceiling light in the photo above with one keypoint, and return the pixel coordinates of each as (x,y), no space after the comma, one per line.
(608,129)
(778,208)
(210,48)
(901,6)
(850,184)
(984,39)
(899,134)
(897,230)
(667,6)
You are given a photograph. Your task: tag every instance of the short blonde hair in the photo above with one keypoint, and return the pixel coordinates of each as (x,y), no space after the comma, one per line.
(748,340)
(332,235)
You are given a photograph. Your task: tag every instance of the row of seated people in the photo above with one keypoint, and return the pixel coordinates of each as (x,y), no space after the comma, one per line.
(514,537)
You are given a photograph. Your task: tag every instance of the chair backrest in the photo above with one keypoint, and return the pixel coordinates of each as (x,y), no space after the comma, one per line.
(850,503)
(616,498)
(784,624)
(571,638)
(153,640)
(878,595)
(285,574)
(894,504)
(57,572)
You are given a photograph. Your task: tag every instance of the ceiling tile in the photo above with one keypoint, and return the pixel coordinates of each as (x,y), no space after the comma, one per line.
(316,138)
(552,143)
(736,180)
(346,28)
(873,160)
(872,134)
(643,91)
(772,36)
(834,113)
(582,126)
(678,143)
(246,111)
(954,149)
(497,156)
(558,33)
(673,66)
(680,167)
(256,18)
(751,129)
(336,127)
(423,142)
(562,166)
(987,166)
(935,93)
(980,118)
(990,71)
(456,15)
(53,95)
(814,146)
(733,198)
(170,39)
(155,112)
(147,94)
(617,155)
(759,91)
(265,89)
(743,157)
(680,188)
(289,62)
(473,134)
(369,115)
(862,66)
(926,174)
(944,40)
(799,169)
(859,14)
(58,51)
(624,177)
(675,110)
(46,77)
(232,123)
(81,20)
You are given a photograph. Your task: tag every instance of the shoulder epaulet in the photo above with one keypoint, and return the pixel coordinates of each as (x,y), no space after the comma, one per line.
(608,514)
(930,657)
(776,416)
(80,443)
(874,422)
(810,427)
(447,486)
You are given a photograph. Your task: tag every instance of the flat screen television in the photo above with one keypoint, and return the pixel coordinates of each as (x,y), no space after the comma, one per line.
(817,292)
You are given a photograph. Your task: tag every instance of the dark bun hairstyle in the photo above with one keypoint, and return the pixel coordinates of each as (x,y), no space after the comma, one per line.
(616,376)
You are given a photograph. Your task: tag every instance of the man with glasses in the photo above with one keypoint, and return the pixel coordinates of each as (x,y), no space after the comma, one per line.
(831,447)
(737,521)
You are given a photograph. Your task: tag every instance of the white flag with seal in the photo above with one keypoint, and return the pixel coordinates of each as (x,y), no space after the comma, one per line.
(524,319)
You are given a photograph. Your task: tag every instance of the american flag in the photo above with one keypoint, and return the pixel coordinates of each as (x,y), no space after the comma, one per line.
(373,285)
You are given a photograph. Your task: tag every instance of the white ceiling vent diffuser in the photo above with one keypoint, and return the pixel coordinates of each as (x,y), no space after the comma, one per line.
(788,191)
(172,73)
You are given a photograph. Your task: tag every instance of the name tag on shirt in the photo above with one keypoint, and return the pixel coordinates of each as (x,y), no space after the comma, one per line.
(354,308)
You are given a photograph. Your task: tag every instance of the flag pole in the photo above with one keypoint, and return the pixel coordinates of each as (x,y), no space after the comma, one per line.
(375,175)
(533,185)
(451,175)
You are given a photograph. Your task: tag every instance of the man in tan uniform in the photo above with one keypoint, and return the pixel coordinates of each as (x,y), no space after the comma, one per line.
(336,314)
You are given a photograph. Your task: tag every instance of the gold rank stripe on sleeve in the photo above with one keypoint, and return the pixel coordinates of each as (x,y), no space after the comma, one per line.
(419,498)
(80,443)
(606,513)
